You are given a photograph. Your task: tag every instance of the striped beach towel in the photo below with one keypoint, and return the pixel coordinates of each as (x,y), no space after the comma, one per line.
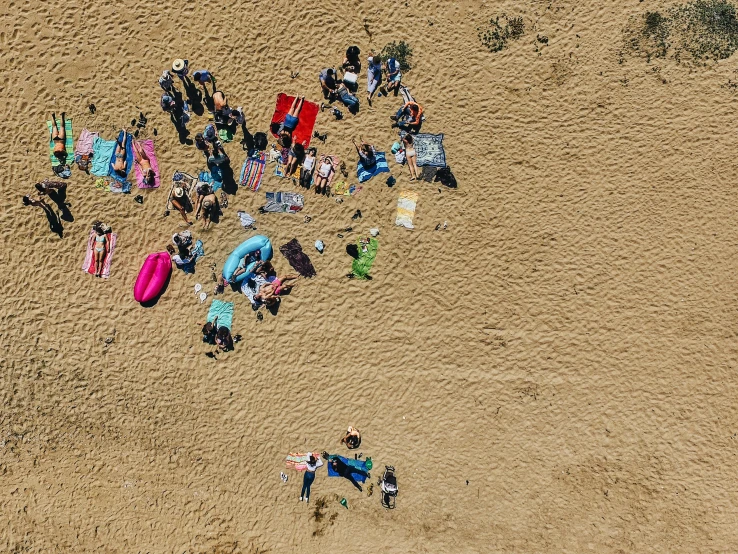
(252,172)
(88,266)
(406,209)
(68,144)
(366,173)
(298,461)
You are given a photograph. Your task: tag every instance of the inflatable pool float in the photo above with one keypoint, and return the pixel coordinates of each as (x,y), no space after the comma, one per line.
(258,243)
(153,276)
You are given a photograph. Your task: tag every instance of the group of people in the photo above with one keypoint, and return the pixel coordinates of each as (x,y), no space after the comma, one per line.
(352,440)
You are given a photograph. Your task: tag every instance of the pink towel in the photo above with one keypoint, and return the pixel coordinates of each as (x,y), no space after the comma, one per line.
(148,147)
(88,266)
(84,142)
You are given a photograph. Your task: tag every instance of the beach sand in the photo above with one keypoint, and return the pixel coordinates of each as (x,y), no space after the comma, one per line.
(555,372)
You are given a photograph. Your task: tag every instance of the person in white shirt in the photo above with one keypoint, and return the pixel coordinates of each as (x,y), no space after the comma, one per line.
(311,466)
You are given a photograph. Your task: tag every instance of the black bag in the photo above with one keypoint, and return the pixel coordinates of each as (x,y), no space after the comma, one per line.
(260,141)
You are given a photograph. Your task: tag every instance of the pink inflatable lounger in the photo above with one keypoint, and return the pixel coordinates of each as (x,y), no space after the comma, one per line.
(152,277)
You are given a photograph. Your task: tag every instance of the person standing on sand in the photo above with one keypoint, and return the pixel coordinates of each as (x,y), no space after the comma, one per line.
(203,76)
(180,68)
(311,466)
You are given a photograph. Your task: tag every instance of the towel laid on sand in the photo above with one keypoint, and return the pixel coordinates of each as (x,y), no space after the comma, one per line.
(308,114)
(148,147)
(214,178)
(88,265)
(299,261)
(129,158)
(103,150)
(252,172)
(250,287)
(357,464)
(68,143)
(429,150)
(365,173)
(363,264)
(84,142)
(223,311)
(279,202)
(298,461)
(406,208)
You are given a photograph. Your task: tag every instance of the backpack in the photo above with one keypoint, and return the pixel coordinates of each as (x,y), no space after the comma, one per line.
(83,162)
(260,141)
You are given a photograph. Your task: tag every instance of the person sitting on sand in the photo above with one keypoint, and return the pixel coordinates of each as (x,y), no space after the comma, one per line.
(347,98)
(102,248)
(181,202)
(328,83)
(295,156)
(181,258)
(269,292)
(325,174)
(223,339)
(209,331)
(394,76)
(410,156)
(367,153)
(352,439)
(409,117)
(202,145)
(308,168)
(290,123)
(59,137)
(373,77)
(142,159)
(119,165)
(352,61)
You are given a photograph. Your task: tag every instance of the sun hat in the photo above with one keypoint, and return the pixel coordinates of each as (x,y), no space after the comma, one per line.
(207,203)
(178,192)
(178,65)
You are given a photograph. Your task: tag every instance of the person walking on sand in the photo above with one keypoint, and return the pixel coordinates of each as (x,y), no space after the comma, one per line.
(180,68)
(59,137)
(311,466)
(202,77)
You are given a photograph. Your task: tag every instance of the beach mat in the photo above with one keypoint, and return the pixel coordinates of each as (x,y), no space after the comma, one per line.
(358,464)
(85,143)
(252,172)
(406,209)
(148,147)
(283,202)
(299,261)
(102,150)
(298,461)
(363,264)
(68,143)
(88,265)
(429,150)
(366,173)
(129,159)
(308,114)
(223,311)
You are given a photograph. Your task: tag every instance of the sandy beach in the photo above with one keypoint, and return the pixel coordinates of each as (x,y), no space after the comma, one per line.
(552,372)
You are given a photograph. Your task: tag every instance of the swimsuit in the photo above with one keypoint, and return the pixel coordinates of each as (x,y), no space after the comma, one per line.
(290,122)
(277,284)
(100,247)
(410,152)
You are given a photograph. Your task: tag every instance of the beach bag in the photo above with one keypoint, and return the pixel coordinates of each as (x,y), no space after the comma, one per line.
(350,78)
(83,162)
(260,141)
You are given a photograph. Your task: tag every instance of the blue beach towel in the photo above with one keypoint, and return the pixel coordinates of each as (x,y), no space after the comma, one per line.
(429,150)
(129,158)
(366,173)
(197,252)
(358,464)
(102,153)
(214,177)
(223,311)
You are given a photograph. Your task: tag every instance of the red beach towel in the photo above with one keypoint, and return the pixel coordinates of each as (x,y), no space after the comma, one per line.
(307,117)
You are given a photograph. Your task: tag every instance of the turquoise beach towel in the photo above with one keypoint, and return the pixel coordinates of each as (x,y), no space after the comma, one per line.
(68,144)
(223,311)
(102,151)
(129,158)
(366,173)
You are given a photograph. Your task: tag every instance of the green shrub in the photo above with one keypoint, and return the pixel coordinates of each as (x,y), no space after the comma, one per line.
(401,51)
(496,35)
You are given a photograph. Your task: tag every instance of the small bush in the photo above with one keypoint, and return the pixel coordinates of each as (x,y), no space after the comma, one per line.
(496,36)
(401,51)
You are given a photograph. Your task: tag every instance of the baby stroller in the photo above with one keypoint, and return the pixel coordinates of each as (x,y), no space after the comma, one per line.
(388,484)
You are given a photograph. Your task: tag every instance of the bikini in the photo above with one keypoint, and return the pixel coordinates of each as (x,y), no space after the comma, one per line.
(277,286)
(100,247)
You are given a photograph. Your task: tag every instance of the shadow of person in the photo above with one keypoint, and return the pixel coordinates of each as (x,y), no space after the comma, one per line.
(248,138)
(230,186)
(194,96)
(59,198)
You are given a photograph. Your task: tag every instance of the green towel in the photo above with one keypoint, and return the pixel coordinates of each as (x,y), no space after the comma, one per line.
(225,134)
(223,311)
(69,143)
(361,266)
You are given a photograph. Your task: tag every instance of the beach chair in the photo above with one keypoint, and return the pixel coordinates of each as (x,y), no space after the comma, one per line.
(187,182)
(388,485)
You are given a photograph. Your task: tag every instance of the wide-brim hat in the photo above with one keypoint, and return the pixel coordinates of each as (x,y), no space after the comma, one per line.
(207,203)
(178,192)
(178,65)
